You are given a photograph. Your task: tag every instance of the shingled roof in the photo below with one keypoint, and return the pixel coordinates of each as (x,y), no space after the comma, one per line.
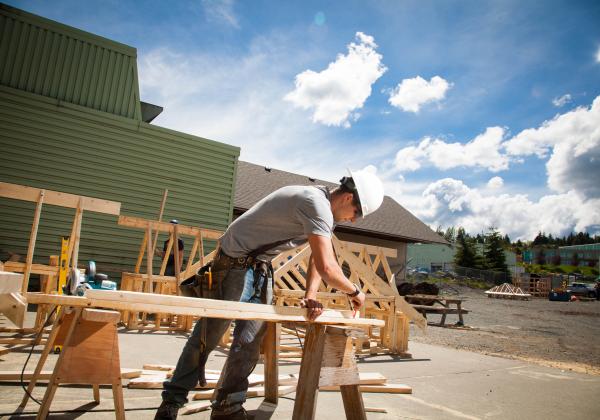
(391,221)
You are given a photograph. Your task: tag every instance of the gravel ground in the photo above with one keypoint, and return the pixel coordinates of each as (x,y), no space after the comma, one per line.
(558,334)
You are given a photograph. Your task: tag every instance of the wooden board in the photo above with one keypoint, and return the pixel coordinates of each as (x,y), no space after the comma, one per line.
(384,388)
(145,302)
(21,192)
(13,306)
(255,391)
(10,282)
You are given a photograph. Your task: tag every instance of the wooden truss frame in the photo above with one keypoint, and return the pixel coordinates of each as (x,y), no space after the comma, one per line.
(363,264)
(159,283)
(40,197)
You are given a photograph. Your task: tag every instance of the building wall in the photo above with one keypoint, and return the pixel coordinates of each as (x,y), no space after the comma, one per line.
(433,257)
(41,56)
(587,254)
(69,148)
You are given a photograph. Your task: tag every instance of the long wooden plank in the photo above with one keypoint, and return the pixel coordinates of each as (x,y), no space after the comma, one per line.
(55,198)
(138,222)
(383,388)
(9,376)
(180,305)
(19,267)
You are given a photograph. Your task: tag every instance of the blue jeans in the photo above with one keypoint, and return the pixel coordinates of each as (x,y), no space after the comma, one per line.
(234,285)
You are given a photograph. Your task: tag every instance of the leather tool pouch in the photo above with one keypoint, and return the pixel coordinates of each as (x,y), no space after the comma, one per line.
(200,285)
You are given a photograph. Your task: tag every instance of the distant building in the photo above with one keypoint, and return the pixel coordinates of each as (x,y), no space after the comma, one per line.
(435,257)
(583,255)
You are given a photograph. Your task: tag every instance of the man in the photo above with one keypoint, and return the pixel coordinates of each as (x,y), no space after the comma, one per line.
(241,272)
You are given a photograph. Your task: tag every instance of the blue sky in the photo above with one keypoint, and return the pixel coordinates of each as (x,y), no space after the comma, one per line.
(474,113)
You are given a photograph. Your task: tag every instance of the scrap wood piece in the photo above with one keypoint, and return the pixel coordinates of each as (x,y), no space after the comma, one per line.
(365,378)
(383,388)
(4,350)
(375,410)
(195,408)
(255,391)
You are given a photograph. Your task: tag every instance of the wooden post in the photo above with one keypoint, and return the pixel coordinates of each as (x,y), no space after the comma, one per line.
(73,252)
(32,238)
(149,259)
(160,216)
(271,358)
(176,257)
(310,368)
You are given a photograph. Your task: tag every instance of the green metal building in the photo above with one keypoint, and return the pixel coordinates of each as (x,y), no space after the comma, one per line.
(434,257)
(72,121)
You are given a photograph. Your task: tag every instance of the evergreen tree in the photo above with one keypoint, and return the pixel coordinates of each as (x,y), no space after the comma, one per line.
(450,234)
(465,250)
(494,253)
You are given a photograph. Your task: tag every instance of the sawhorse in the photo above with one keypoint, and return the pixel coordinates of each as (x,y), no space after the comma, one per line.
(328,359)
(90,355)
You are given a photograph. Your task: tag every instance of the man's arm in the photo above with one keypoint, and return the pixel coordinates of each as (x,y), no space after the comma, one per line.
(327,267)
(313,280)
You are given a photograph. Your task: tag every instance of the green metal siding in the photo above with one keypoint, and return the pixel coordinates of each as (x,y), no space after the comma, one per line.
(45,57)
(58,146)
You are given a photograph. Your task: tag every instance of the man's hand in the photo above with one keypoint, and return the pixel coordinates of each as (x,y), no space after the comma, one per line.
(358,301)
(314,307)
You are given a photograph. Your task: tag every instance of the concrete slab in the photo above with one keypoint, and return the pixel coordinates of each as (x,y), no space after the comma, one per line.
(446,383)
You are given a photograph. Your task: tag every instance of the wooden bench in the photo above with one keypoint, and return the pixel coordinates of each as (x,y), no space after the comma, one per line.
(439,305)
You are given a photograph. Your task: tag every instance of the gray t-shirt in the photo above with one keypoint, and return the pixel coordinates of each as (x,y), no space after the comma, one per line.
(290,213)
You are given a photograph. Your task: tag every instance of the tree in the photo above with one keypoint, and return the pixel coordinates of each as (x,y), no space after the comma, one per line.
(494,253)
(540,258)
(465,250)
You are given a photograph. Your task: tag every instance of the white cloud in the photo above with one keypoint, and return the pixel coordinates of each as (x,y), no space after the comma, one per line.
(483,151)
(449,202)
(598,55)
(221,11)
(209,95)
(411,94)
(573,139)
(495,183)
(343,87)
(562,101)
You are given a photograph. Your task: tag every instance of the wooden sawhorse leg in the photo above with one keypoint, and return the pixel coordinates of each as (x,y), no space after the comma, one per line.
(328,359)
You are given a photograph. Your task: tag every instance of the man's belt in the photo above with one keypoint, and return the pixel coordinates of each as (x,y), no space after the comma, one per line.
(224,261)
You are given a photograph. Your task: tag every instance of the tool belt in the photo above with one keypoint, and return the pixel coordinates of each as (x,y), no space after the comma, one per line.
(201,285)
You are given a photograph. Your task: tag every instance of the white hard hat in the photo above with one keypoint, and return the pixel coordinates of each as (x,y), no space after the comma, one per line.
(369,189)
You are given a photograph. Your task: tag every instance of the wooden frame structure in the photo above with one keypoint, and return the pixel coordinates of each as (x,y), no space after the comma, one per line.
(159,283)
(535,286)
(367,266)
(41,197)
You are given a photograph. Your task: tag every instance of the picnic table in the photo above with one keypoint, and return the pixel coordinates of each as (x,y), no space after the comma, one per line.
(433,304)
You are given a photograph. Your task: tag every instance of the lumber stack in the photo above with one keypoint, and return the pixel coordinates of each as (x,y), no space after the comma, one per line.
(153,376)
